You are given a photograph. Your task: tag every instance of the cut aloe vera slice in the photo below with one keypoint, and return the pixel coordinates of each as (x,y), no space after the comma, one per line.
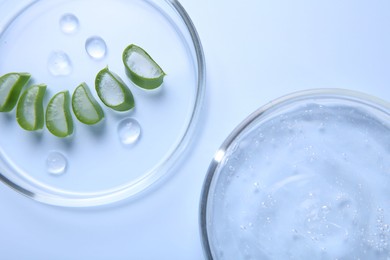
(85,107)
(58,117)
(11,85)
(141,68)
(29,111)
(113,91)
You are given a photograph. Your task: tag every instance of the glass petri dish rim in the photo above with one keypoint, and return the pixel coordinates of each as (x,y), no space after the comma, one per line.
(141,184)
(337,93)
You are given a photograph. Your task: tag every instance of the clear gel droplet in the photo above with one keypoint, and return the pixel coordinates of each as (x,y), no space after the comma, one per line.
(56,163)
(129,131)
(59,63)
(69,23)
(96,47)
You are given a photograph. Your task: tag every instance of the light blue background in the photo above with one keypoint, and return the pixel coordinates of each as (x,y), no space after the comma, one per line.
(256,51)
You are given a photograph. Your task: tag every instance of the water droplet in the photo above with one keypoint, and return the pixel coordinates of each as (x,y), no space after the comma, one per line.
(59,63)
(69,23)
(56,163)
(129,131)
(96,47)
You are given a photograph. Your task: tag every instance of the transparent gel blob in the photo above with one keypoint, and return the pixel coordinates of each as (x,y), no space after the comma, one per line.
(56,163)
(59,63)
(96,47)
(129,131)
(69,24)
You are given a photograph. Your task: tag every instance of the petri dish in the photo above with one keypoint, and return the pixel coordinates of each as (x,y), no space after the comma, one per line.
(64,43)
(304,177)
